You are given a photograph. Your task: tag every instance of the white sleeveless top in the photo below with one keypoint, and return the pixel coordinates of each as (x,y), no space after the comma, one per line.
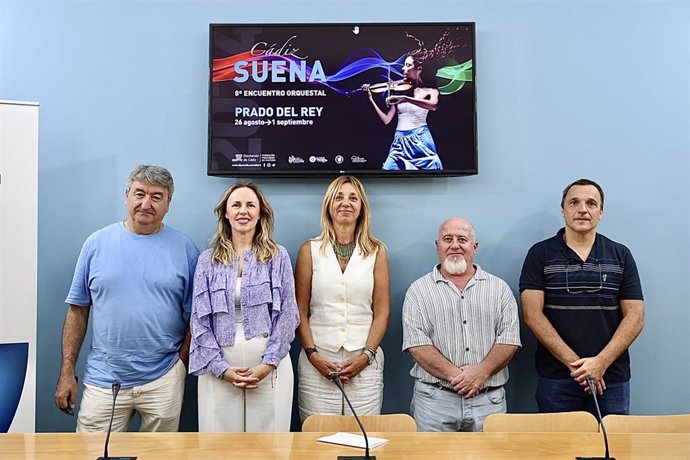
(410,116)
(239,318)
(341,303)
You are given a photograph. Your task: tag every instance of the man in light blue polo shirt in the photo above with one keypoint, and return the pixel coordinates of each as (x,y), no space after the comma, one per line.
(135,277)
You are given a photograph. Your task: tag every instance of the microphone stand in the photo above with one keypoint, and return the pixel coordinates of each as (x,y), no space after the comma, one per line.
(593,390)
(116,390)
(336,379)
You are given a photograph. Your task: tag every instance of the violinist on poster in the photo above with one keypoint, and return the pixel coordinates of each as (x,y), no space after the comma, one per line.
(412,98)
(413,146)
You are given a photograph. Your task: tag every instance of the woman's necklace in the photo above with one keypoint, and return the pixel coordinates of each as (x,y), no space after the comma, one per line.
(344,250)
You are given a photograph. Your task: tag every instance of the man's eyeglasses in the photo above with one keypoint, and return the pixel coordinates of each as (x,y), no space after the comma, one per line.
(588,290)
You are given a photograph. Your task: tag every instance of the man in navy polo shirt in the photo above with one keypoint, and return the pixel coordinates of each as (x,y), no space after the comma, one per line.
(582,299)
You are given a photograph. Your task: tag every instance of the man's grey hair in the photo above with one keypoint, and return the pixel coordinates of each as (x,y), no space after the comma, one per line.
(156,175)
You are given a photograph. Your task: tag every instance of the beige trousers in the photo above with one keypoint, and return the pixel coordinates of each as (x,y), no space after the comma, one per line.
(158,404)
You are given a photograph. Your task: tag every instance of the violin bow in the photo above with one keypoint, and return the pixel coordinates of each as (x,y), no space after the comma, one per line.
(388,87)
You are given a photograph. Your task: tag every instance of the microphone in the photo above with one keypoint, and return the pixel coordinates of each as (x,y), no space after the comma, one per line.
(593,390)
(336,379)
(116,390)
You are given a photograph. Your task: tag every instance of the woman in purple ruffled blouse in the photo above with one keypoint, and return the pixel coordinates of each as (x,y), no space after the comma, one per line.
(244,316)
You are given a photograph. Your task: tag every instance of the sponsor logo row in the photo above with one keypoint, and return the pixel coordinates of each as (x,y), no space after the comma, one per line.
(269,160)
(339,159)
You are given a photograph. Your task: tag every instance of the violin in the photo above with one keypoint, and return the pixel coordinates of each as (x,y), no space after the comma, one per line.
(386,86)
(400,85)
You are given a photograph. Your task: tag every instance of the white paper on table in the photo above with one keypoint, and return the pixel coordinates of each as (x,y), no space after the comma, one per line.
(352,440)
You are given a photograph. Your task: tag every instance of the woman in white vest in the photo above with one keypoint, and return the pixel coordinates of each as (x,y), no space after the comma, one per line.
(343,296)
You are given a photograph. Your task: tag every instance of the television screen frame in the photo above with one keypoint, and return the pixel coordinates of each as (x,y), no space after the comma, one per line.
(269,51)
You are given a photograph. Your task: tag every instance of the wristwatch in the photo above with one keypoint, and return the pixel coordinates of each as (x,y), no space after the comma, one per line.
(310,351)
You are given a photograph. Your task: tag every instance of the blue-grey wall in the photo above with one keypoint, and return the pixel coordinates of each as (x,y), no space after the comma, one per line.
(566,89)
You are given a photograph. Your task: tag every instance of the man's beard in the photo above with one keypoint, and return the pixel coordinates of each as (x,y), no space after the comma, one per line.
(455,267)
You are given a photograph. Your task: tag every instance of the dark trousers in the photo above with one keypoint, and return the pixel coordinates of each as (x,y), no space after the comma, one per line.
(566,395)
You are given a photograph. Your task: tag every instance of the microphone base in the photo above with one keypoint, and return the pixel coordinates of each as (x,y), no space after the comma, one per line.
(595,458)
(110,457)
(358,457)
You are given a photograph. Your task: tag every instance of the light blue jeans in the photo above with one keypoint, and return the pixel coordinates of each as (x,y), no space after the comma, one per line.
(436,409)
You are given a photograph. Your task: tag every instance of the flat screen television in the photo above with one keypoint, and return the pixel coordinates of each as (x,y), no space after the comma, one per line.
(366,99)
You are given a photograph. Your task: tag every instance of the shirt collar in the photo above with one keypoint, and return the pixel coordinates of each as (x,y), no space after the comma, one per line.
(558,244)
(438,277)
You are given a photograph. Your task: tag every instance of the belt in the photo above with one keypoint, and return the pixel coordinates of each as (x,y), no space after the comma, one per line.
(483,390)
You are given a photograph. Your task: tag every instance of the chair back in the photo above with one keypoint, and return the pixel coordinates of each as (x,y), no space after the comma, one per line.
(347,423)
(647,423)
(552,422)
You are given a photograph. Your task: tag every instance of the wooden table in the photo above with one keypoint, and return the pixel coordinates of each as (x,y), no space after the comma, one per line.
(209,446)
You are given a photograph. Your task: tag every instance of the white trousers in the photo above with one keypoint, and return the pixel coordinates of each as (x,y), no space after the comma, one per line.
(319,395)
(268,408)
(158,404)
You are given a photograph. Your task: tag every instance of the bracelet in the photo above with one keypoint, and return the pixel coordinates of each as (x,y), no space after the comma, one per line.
(310,351)
(371,354)
(222,375)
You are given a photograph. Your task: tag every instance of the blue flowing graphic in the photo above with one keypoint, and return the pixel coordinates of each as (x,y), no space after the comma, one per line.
(360,62)
(455,76)
(355,65)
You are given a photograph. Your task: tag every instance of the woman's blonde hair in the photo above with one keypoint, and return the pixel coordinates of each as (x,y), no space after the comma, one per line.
(368,243)
(265,248)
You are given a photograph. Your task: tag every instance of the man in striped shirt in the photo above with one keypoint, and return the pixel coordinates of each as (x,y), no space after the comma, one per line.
(582,299)
(461,326)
